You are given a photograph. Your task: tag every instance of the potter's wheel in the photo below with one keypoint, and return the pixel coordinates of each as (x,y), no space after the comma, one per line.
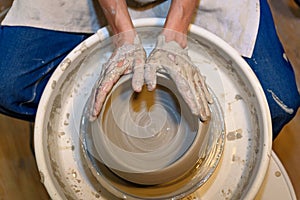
(248,129)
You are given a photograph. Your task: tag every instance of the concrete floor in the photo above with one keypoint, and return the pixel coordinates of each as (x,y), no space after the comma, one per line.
(19,177)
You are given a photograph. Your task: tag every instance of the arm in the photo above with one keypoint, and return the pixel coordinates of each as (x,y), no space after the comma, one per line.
(116,13)
(170,56)
(179,18)
(128,56)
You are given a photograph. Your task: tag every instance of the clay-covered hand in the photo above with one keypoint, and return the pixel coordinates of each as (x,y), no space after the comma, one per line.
(171,59)
(128,57)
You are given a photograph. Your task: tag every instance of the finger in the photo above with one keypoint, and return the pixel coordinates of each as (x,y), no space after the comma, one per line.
(201,99)
(150,76)
(138,74)
(109,79)
(186,92)
(100,96)
(204,88)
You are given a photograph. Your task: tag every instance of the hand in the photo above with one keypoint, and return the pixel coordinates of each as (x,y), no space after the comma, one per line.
(173,60)
(128,57)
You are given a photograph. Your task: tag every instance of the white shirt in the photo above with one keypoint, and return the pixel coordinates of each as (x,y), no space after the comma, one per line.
(235,21)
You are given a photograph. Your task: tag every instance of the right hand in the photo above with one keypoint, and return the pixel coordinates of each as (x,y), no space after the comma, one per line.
(128,57)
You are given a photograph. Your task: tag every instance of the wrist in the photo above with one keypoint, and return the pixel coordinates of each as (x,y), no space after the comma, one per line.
(179,18)
(126,37)
(117,15)
(122,25)
(179,37)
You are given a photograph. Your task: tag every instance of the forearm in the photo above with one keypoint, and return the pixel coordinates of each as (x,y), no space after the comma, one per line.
(116,13)
(180,15)
(179,18)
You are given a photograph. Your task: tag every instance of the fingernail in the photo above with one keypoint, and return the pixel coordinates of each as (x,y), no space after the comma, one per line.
(92,117)
(138,89)
(150,87)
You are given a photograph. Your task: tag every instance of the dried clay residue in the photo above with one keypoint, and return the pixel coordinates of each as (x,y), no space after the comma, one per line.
(236,98)
(65,64)
(238,159)
(227,194)
(191,197)
(42,177)
(234,135)
(277,173)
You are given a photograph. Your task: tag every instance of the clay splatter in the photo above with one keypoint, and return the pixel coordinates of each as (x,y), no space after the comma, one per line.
(65,64)
(277,173)
(234,135)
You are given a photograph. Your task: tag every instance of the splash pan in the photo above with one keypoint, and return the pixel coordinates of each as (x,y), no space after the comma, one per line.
(66,170)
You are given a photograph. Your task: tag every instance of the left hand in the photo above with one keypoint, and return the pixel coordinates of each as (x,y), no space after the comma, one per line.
(173,60)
